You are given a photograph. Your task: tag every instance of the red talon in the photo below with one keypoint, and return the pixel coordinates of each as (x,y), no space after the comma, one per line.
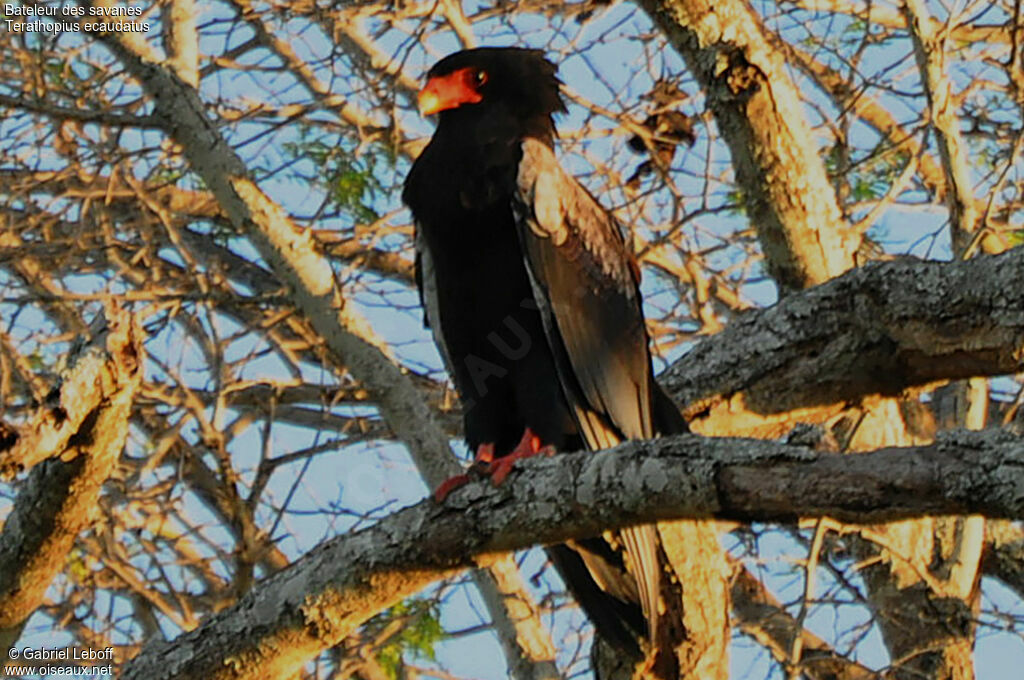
(482,460)
(529,445)
(501,468)
(497,468)
(449,485)
(484,454)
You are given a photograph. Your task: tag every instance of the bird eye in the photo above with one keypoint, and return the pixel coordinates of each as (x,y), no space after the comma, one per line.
(481,77)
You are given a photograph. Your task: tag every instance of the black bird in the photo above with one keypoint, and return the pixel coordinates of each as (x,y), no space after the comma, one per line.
(534,302)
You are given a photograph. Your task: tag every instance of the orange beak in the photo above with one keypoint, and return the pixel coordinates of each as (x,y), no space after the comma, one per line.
(448,92)
(429,101)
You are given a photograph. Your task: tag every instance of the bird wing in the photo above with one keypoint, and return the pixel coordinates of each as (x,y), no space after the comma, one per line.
(426,284)
(586,285)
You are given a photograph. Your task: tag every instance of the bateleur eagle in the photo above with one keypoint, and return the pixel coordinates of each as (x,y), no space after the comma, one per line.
(534,302)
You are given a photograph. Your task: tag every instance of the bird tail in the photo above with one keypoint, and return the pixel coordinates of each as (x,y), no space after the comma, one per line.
(640,543)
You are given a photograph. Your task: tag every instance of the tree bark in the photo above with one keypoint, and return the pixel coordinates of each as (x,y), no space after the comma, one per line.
(315,603)
(59,498)
(877,331)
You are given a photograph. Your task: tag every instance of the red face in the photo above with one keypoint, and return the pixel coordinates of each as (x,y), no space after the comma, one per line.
(452,90)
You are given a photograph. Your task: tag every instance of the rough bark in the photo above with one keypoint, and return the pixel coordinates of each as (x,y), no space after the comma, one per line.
(700,567)
(58,500)
(924,616)
(785,190)
(944,649)
(794,210)
(923,590)
(880,330)
(315,603)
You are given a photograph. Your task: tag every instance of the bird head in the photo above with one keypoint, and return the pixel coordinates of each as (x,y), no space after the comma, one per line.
(522,80)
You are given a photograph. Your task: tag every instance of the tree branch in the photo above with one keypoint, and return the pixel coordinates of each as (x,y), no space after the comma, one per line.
(59,498)
(294,258)
(292,616)
(760,615)
(879,330)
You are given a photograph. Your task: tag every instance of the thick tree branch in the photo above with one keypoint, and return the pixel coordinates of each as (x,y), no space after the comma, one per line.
(59,498)
(315,603)
(879,330)
(931,55)
(294,259)
(99,375)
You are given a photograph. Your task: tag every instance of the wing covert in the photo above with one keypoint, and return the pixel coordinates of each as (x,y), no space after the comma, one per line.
(586,285)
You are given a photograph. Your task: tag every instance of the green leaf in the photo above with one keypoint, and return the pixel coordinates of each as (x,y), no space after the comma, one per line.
(421,630)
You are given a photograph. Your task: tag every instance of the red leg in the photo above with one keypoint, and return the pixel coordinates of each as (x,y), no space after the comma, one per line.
(484,457)
(529,445)
(498,469)
(449,485)
(484,454)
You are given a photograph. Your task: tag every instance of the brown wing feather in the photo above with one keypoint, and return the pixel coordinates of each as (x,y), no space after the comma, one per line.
(584,282)
(587,289)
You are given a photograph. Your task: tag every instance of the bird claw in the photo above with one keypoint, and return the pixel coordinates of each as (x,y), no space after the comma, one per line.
(484,455)
(527,447)
(482,462)
(447,486)
(498,469)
